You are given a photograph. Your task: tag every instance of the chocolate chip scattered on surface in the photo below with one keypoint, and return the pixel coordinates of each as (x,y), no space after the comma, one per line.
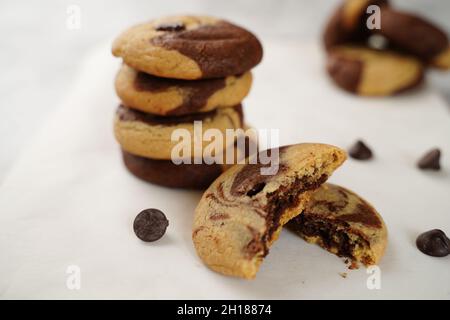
(360,151)
(434,243)
(150,225)
(431,160)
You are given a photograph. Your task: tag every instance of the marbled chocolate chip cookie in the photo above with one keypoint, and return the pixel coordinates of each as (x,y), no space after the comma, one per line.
(148,135)
(343,223)
(189,47)
(241,214)
(174,97)
(371,72)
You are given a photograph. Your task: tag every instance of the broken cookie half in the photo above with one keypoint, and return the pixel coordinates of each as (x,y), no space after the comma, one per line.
(343,223)
(242,212)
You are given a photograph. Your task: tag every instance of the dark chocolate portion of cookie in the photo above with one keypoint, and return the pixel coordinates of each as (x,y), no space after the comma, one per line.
(128,114)
(345,72)
(412,34)
(197,92)
(250,182)
(287,197)
(150,225)
(220,50)
(171,27)
(249,178)
(278,202)
(434,243)
(168,174)
(431,160)
(334,234)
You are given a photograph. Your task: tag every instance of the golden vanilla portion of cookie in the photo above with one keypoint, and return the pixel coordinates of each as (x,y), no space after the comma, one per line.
(173,97)
(348,23)
(442,60)
(241,214)
(343,223)
(371,72)
(148,135)
(189,47)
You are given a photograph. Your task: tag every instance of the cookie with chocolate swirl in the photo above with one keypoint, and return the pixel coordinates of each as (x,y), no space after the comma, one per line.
(343,223)
(189,47)
(175,97)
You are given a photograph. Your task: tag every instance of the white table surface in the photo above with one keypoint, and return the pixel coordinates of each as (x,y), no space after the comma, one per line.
(69,200)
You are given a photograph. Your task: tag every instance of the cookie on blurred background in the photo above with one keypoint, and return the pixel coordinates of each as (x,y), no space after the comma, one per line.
(405,45)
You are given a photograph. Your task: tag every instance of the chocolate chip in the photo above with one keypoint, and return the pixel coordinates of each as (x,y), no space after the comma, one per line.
(434,243)
(150,225)
(360,151)
(430,161)
(171,27)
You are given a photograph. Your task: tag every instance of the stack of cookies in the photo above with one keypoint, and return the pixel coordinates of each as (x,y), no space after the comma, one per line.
(176,71)
(383,52)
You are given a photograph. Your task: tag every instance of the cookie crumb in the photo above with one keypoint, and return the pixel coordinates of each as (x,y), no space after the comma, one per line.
(343,274)
(353,265)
